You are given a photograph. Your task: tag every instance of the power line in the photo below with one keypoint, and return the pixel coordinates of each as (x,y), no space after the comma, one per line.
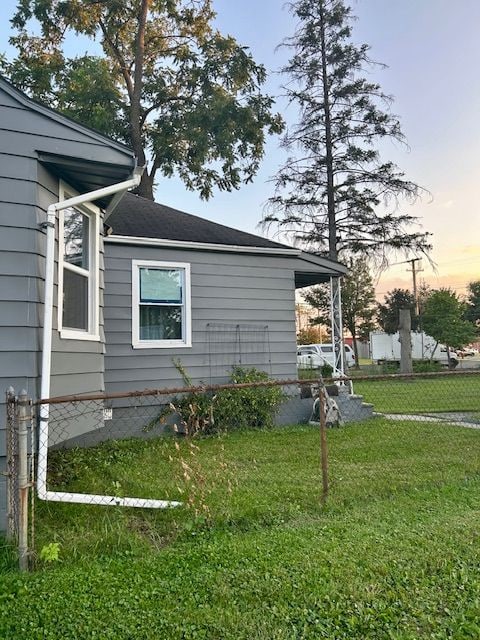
(414,271)
(457,288)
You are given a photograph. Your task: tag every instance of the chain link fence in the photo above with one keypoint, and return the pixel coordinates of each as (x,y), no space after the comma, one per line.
(11,464)
(115,421)
(386,402)
(403,435)
(365,436)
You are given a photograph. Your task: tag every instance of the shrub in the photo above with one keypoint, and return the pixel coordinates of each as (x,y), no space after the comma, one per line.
(326,370)
(419,366)
(249,407)
(425,366)
(196,412)
(390,367)
(206,413)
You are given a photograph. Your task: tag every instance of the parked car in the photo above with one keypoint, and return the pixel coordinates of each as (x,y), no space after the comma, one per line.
(316,355)
(467,351)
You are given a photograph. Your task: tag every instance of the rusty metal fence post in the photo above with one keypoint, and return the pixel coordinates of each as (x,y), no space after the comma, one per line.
(323,442)
(11,464)
(19,428)
(24,419)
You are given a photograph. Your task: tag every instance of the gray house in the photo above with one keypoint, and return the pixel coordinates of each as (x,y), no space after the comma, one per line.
(182,288)
(44,158)
(175,286)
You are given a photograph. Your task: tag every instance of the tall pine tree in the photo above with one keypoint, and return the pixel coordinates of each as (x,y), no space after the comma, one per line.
(334,191)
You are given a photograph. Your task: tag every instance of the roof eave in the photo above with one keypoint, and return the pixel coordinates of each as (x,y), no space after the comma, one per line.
(62,119)
(337,268)
(200,246)
(87,175)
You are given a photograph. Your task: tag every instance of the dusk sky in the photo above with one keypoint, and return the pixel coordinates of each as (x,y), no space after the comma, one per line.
(432,49)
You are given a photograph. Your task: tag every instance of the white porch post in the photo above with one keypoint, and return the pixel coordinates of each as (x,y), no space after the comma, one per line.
(337,325)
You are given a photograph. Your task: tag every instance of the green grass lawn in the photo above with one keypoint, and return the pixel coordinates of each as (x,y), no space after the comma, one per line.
(422,395)
(440,394)
(393,554)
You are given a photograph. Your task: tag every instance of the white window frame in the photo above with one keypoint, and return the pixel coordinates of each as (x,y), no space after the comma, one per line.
(93,213)
(186,340)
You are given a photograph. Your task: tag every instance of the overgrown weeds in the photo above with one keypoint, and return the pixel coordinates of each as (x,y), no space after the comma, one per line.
(204,412)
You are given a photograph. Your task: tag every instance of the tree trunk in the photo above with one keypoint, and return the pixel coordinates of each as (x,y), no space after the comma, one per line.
(145,188)
(337,329)
(449,359)
(405,339)
(355,351)
(332,227)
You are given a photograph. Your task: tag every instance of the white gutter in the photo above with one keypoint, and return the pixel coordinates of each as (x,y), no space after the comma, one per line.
(42,492)
(207,246)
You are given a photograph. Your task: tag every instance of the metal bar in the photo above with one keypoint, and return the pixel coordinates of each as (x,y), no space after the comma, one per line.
(337,326)
(31,472)
(323,443)
(243,385)
(48,308)
(11,463)
(165,392)
(24,416)
(105,501)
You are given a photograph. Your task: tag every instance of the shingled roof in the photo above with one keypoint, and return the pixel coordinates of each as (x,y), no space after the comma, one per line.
(141,218)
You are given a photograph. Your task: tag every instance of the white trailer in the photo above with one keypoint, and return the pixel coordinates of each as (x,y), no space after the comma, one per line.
(386,348)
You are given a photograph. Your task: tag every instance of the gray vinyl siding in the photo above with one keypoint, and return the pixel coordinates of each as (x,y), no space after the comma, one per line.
(26,190)
(77,365)
(19,290)
(227,288)
(19,283)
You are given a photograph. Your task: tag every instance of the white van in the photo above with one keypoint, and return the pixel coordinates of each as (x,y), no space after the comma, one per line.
(316,355)
(386,348)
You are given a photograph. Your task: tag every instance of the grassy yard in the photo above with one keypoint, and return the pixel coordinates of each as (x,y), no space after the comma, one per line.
(442,394)
(394,553)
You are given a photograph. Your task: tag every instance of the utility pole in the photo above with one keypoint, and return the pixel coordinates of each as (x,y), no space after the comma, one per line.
(414,270)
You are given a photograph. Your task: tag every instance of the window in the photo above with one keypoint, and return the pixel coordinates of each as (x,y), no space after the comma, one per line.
(161,314)
(326,348)
(78,307)
(306,351)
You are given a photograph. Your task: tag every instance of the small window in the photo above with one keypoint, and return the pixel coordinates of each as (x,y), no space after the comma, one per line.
(78,272)
(160,304)
(306,351)
(76,234)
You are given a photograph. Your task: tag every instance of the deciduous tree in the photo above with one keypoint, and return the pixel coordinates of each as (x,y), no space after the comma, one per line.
(186,98)
(443,319)
(389,313)
(472,312)
(312,335)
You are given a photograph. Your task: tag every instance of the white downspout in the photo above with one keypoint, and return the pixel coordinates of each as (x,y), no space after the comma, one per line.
(48,314)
